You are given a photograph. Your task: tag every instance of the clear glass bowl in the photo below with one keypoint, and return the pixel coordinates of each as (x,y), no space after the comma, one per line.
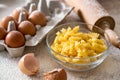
(85,65)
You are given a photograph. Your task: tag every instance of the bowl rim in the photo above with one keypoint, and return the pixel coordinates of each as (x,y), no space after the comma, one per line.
(82,23)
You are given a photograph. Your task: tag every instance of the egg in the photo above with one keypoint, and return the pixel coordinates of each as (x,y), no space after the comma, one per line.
(4,22)
(29,64)
(56,74)
(17,11)
(27,28)
(14,39)
(37,18)
(3,33)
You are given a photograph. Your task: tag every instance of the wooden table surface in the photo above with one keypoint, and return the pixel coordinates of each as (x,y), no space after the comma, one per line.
(108,70)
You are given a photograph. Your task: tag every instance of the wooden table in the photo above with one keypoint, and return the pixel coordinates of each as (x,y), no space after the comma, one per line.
(108,70)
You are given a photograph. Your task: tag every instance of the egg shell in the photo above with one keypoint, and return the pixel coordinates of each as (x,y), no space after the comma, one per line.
(17,11)
(28,64)
(56,74)
(15,39)
(4,22)
(27,28)
(37,18)
(3,33)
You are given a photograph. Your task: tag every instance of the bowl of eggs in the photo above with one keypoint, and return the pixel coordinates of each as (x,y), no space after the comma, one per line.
(78,46)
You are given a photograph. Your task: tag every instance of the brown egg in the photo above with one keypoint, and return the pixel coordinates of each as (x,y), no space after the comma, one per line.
(26,27)
(28,64)
(4,22)
(3,33)
(14,39)
(17,11)
(37,18)
(56,74)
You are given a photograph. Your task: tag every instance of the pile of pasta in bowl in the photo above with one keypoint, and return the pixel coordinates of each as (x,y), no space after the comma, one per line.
(76,47)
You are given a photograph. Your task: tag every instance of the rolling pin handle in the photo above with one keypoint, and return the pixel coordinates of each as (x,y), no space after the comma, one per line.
(114,38)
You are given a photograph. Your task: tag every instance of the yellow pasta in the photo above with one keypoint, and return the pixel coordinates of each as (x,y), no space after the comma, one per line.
(74,44)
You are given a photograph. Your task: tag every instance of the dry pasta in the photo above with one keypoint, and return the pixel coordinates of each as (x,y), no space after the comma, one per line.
(74,44)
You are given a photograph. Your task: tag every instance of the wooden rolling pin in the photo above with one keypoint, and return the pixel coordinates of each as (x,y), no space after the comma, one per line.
(93,13)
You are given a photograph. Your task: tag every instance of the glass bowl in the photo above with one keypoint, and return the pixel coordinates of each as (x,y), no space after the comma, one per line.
(84,63)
